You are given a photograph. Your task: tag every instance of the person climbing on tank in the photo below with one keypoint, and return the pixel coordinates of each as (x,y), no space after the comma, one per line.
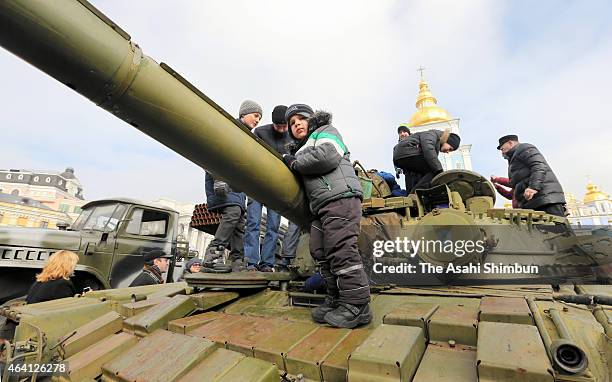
(403,132)
(531,177)
(263,257)
(334,195)
(230,204)
(417,156)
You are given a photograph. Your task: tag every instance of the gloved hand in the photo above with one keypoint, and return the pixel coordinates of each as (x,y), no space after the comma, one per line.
(398,172)
(221,189)
(289,161)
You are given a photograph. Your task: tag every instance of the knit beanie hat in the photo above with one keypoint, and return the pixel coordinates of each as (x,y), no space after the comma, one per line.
(248,107)
(454,140)
(278,115)
(298,108)
(195,260)
(403,128)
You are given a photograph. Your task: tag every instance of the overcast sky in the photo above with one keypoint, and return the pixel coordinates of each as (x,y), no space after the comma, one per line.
(538,69)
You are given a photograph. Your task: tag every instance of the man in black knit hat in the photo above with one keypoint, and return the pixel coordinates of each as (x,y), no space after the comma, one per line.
(277,137)
(417,156)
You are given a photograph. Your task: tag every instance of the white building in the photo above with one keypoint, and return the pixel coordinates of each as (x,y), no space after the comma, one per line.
(197,239)
(594,209)
(58,191)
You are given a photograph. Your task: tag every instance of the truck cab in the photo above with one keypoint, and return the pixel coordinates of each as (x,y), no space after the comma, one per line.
(110,237)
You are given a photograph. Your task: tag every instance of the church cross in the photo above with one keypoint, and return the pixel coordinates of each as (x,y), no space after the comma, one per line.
(421,69)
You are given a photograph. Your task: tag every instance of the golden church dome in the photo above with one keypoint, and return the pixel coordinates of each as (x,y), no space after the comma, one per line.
(594,194)
(428,110)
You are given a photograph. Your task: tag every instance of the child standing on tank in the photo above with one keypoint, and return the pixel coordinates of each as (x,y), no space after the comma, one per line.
(334,195)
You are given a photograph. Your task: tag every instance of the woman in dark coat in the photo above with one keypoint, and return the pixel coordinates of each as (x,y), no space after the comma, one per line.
(54,280)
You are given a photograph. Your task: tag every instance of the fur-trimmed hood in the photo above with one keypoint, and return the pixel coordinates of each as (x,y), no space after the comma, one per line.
(444,137)
(319,118)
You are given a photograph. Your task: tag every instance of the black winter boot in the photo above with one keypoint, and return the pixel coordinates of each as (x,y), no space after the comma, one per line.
(318,313)
(349,316)
(215,262)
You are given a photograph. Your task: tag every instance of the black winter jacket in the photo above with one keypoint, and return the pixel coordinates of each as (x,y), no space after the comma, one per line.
(215,202)
(527,168)
(50,290)
(426,144)
(151,275)
(280,142)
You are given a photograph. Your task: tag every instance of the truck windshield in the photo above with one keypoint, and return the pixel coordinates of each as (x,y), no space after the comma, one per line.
(100,218)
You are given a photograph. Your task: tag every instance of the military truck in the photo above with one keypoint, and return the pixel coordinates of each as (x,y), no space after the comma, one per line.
(110,237)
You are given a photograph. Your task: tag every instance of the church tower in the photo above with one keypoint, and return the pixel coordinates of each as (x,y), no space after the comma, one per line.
(431,116)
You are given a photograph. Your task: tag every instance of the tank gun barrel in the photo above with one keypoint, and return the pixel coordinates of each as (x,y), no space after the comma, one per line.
(79,46)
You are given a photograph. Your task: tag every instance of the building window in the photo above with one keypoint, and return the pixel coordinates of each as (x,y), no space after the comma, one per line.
(20,177)
(48,179)
(64,207)
(44,224)
(148,223)
(77,210)
(9,176)
(22,221)
(60,182)
(36,179)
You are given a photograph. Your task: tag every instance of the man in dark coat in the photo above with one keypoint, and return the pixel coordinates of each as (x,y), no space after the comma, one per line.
(276,136)
(334,196)
(417,156)
(535,184)
(222,198)
(403,132)
(156,263)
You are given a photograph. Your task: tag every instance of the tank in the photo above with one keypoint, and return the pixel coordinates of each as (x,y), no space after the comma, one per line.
(427,326)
